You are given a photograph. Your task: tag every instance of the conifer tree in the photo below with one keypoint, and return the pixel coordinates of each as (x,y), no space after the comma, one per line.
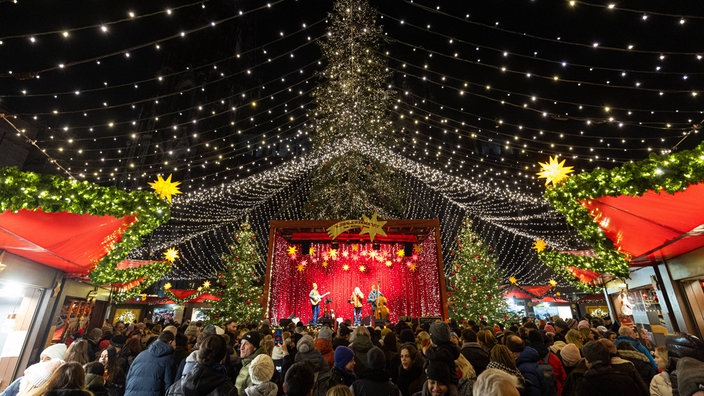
(241,286)
(352,105)
(474,284)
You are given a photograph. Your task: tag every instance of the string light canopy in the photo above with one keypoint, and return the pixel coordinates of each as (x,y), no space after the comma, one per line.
(118,94)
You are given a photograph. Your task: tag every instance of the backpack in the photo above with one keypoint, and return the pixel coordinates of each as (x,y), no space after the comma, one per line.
(322,383)
(546,371)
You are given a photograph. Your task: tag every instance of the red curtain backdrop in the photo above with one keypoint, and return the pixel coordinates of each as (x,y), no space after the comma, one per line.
(410,283)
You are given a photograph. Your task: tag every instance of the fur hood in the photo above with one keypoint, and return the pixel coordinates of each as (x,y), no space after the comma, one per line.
(632,355)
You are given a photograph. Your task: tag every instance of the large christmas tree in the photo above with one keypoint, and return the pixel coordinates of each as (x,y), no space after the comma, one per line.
(352,105)
(475,281)
(241,286)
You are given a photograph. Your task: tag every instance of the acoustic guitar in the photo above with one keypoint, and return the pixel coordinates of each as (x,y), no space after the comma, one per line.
(316,300)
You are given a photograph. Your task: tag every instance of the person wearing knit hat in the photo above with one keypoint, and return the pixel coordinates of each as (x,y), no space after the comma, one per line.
(602,330)
(407,336)
(325,332)
(442,350)
(342,371)
(439,333)
(260,371)
(37,374)
(172,329)
(549,329)
(55,351)
(376,379)
(571,323)
(570,355)
(118,341)
(253,337)
(191,331)
(306,351)
(323,343)
(583,323)
(439,380)
(249,350)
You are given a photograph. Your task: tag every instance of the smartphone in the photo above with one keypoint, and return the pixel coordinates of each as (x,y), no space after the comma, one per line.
(278,336)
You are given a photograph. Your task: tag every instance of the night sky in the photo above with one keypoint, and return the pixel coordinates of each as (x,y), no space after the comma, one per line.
(215,91)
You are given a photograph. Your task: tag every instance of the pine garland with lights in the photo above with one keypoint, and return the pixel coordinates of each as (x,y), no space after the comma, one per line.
(53,194)
(668,173)
(242,288)
(475,281)
(353,100)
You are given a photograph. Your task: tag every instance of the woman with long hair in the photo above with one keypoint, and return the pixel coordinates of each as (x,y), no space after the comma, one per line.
(501,358)
(78,352)
(486,339)
(114,374)
(574,337)
(67,380)
(411,375)
(467,375)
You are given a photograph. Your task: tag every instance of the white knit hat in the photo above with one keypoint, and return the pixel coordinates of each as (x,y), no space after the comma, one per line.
(55,351)
(37,374)
(261,369)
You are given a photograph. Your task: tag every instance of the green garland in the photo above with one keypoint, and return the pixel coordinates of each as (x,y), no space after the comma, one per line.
(669,173)
(52,194)
(171,296)
(151,273)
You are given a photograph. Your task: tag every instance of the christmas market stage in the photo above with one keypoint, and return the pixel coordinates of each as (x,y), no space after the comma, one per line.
(406,266)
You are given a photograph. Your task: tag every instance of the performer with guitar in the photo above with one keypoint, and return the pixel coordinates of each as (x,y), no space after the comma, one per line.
(315,299)
(356,300)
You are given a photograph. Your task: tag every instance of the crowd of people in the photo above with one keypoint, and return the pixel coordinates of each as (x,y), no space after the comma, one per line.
(531,358)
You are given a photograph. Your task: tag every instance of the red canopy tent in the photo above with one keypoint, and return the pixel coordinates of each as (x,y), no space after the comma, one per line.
(653,227)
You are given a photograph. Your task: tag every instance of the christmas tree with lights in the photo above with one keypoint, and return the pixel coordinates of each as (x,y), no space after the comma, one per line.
(352,107)
(241,286)
(475,281)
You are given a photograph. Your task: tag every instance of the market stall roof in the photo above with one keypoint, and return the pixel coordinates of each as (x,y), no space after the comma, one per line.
(550,299)
(592,298)
(70,242)
(526,292)
(653,227)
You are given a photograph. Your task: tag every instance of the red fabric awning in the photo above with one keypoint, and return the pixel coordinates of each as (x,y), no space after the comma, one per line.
(69,242)
(205,297)
(550,299)
(654,226)
(527,292)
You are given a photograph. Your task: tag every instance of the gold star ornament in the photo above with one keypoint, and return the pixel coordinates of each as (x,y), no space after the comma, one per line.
(292,250)
(165,188)
(206,285)
(167,286)
(553,282)
(171,254)
(539,245)
(554,172)
(513,280)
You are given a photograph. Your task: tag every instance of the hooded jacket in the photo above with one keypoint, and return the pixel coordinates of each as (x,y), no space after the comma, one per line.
(203,380)
(151,372)
(243,380)
(324,346)
(638,346)
(641,363)
(264,389)
(527,364)
(360,346)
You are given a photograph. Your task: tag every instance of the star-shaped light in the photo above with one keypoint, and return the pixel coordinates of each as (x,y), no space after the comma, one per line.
(200,288)
(417,249)
(333,254)
(413,267)
(165,188)
(292,250)
(206,285)
(539,245)
(301,266)
(325,264)
(345,254)
(167,286)
(389,263)
(171,254)
(355,247)
(553,171)
(311,251)
(346,267)
(513,280)
(362,268)
(401,252)
(553,282)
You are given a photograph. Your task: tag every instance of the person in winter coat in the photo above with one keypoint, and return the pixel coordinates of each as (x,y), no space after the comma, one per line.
(473,351)
(622,365)
(115,377)
(208,376)
(360,343)
(601,379)
(94,379)
(442,349)
(67,380)
(640,361)
(375,379)
(343,370)
(390,348)
(323,343)
(527,363)
(661,385)
(411,375)
(537,342)
(261,370)
(307,351)
(679,346)
(150,373)
(467,376)
(628,335)
(249,349)
(35,376)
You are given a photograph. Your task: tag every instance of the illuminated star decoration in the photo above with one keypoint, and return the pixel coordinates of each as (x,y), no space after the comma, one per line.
(165,188)
(311,251)
(553,171)
(325,264)
(301,266)
(333,254)
(417,249)
(374,227)
(292,250)
(413,267)
(513,280)
(539,245)
(206,285)
(401,252)
(346,267)
(167,285)
(389,263)
(362,268)
(171,254)
(553,282)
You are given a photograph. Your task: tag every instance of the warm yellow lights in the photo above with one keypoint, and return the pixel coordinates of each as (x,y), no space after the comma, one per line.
(554,172)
